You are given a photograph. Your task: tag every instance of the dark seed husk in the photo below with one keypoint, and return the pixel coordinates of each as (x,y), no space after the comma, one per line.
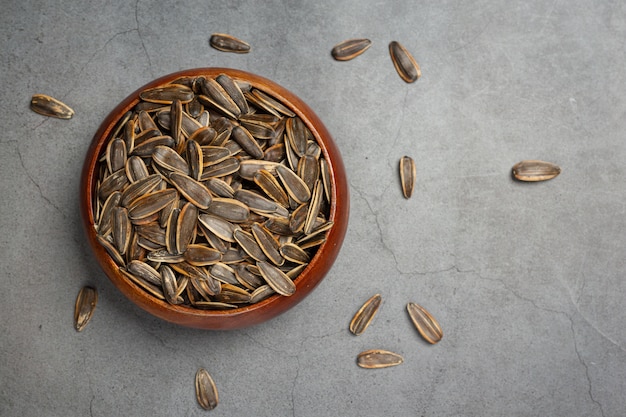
(227,43)
(350,49)
(405,64)
(167,94)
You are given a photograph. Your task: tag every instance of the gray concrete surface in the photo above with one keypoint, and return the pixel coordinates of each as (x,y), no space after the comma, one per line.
(527,281)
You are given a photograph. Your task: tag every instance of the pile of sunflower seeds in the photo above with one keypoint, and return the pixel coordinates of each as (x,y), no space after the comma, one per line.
(212,194)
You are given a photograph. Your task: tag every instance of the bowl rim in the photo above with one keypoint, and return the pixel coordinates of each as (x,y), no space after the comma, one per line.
(270,307)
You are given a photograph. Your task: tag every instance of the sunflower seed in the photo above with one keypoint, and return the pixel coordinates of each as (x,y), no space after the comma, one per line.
(219,187)
(270,104)
(145,272)
(426,324)
(111,250)
(249,244)
(147,147)
(186,227)
(106,217)
(194,191)
(227,43)
(235,93)
(51,107)
(405,64)
(202,255)
(533,170)
(266,181)
(114,182)
(350,49)
(154,290)
(249,167)
(150,203)
(276,279)
(314,208)
(261,293)
(247,142)
(223,273)
(215,95)
(407,175)
(167,94)
(229,209)
(255,201)
(294,253)
(246,278)
(194,159)
(295,186)
(376,358)
(136,169)
(176,122)
(116,155)
(268,244)
(170,286)
(220,169)
(325,174)
(170,160)
(139,189)
(85,306)
(309,170)
(297,135)
(122,229)
(364,316)
(220,227)
(206,391)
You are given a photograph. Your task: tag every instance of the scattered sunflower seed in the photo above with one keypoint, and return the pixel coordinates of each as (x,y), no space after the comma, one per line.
(376,358)
(228,43)
(365,315)
(206,391)
(350,49)
(405,64)
(407,176)
(426,324)
(51,107)
(85,306)
(532,170)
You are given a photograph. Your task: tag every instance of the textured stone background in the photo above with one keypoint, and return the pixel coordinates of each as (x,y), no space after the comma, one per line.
(527,280)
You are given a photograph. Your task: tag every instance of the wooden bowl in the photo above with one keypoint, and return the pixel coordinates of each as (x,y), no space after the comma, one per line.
(253,314)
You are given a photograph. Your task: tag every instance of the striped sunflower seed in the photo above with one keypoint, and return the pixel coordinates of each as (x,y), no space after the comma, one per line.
(85,306)
(426,324)
(533,170)
(405,64)
(407,175)
(206,391)
(377,358)
(365,315)
(50,106)
(227,43)
(350,49)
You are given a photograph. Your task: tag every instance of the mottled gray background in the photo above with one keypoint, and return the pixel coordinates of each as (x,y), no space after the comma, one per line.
(527,280)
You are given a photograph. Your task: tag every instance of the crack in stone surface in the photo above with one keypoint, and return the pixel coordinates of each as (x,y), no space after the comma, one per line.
(571,321)
(143,44)
(39,190)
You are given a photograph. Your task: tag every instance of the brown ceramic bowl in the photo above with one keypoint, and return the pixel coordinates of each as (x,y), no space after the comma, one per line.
(248,315)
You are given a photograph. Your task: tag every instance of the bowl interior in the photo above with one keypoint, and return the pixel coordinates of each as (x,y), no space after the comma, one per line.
(248,315)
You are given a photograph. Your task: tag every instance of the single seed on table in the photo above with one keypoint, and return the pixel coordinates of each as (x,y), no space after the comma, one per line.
(350,49)
(227,43)
(50,106)
(377,358)
(365,315)
(85,306)
(407,175)
(426,324)
(206,391)
(405,64)
(533,170)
